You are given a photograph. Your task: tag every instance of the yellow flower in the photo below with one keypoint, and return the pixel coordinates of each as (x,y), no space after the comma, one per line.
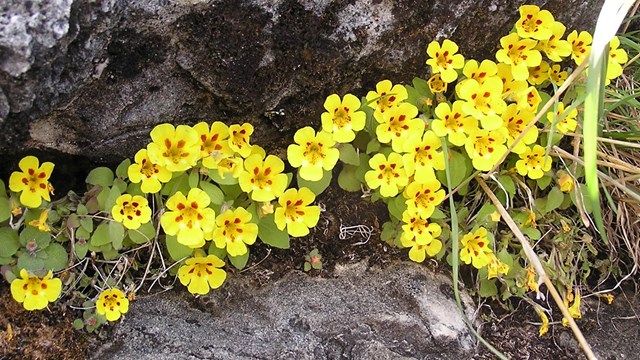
(388,174)
(533,162)
(580,45)
(312,153)
(263,179)
(510,87)
(556,75)
(422,155)
(483,101)
(423,196)
(495,216)
(475,248)
(151,175)
(189,218)
(574,309)
(534,23)
(131,211)
(112,304)
(239,138)
(35,292)
(343,119)
(41,223)
(486,148)
(235,231)
(565,181)
(617,58)
(544,328)
(496,267)
(555,48)
(444,60)
(232,166)
(176,149)
(436,85)
(516,121)
(420,236)
(399,124)
(539,74)
(529,99)
(214,143)
(33,181)
(479,73)
(385,97)
(294,212)
(532,283)
(520,54)
(452,121)
(201,274)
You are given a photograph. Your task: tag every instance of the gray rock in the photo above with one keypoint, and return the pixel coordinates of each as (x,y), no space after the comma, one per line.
(399,312)
(102,73)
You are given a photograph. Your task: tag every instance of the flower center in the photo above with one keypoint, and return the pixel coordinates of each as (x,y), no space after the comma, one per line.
(341,117)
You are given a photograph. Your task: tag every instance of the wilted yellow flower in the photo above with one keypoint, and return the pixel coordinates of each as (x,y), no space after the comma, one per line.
(544,328)
(565,181)
(41,222)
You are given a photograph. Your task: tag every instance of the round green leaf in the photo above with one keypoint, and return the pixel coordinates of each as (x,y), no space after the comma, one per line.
(31,233)
(101,236)
(239,262)
(116,232)
(144,233)
(57,257)
(317,187)
(176,250)
(9,242)
(5,208)
(269,233)
(123,169)
(349,155)
(30,263)
(347,179)
(102,176)
(81,248)
(215,194)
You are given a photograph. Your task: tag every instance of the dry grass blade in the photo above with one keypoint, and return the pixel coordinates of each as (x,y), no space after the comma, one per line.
(537,265)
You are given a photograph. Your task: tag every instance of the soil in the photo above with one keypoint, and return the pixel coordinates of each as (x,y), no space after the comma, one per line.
(49,334)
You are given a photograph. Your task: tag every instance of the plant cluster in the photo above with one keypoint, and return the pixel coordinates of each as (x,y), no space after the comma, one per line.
(197,197)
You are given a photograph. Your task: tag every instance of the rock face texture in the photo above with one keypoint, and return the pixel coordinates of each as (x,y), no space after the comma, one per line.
(399,312)
(92,77)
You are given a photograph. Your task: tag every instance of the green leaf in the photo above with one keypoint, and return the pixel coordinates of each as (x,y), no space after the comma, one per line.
(87,224)
(194,179)
(57,257)
(508,184)
(9,242)
(231,192)
(30,263)
(102,176)
(116,232)
(438,214)
(78,324)
(143,234)
(488,288)
(397,206)
(349,155)
(533,234)
(3,190)
(30,233)
(176,250)
(459,172)
(5,208)
(122,171)
(373,146)
(347,179)
(110,201)
(239,262)
(543,182)
(177,183)
(215,194)
(100,236)
(317,187)
(307,266)
(554,199)
(269,233)
(214,250)
(81,248)
(82,210)
(228,179)
(121,185)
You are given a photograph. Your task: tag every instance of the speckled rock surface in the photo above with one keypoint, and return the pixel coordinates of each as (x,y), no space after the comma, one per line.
(92,77)
(400,312)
